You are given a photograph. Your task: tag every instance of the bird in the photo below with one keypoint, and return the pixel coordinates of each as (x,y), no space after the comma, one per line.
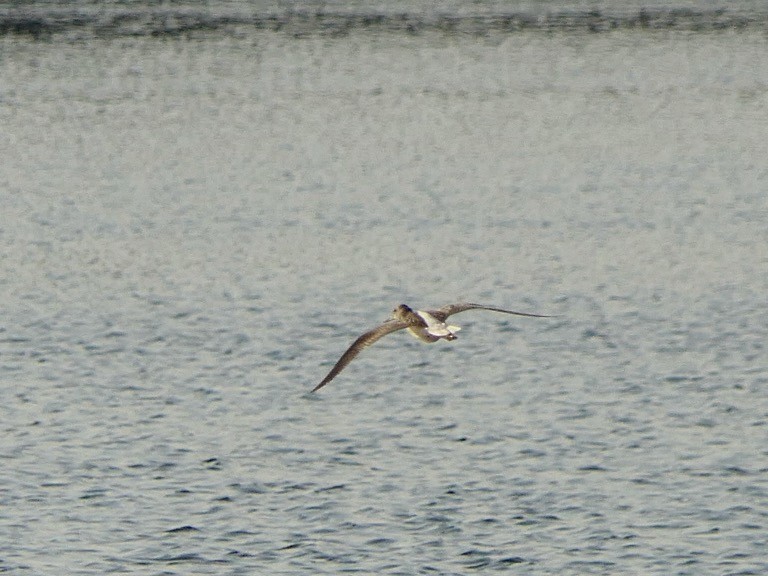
(426,325)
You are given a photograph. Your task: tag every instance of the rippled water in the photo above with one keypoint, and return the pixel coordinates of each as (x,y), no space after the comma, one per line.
(194,229)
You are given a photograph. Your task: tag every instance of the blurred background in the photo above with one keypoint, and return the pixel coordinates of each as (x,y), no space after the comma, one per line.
(202,204)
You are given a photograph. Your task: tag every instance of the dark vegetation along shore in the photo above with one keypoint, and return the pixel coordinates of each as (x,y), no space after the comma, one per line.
(173,19)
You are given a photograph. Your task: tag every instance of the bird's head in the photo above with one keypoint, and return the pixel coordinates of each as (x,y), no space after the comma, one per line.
(401,312)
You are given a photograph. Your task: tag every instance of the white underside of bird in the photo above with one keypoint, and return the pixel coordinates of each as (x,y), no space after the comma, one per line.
(434,330)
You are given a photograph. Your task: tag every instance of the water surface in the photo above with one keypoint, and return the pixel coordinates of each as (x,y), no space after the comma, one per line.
(194,228)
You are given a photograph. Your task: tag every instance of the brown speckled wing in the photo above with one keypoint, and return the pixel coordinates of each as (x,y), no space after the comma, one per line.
(357,346)
(443,313)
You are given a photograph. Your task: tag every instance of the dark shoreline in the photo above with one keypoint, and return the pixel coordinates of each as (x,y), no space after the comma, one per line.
(42,22)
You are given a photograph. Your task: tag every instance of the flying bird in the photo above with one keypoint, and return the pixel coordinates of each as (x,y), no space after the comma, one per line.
(428,326)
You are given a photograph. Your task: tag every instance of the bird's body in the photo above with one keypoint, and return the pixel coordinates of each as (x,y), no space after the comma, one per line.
(428,326)
(425,326)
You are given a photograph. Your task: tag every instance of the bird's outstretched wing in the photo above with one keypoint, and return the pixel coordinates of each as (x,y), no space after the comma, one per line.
(357,346)
(443,313)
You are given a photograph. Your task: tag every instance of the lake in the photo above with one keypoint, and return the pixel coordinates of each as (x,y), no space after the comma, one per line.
(202,207)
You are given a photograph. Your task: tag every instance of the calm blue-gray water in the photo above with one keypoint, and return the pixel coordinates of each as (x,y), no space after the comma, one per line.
(200,211)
